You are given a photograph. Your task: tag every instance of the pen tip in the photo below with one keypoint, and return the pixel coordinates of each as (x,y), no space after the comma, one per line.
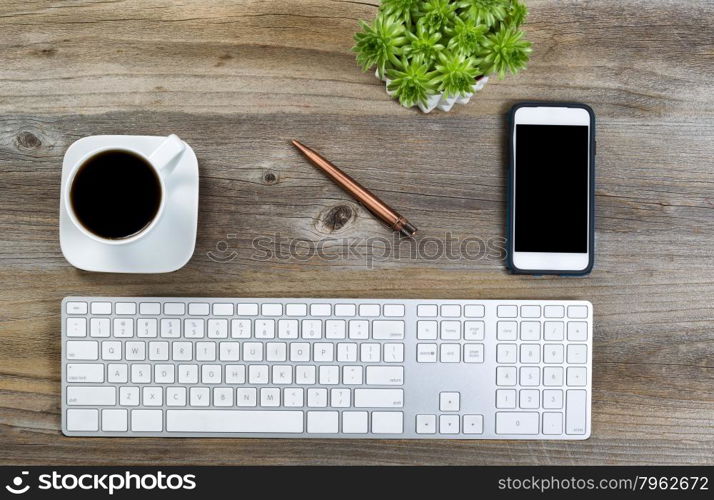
(296,143)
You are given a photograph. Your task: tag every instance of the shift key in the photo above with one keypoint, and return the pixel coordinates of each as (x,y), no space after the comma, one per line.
(379,398)
(91,396)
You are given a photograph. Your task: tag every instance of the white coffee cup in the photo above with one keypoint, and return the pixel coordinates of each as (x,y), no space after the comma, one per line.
(161,160)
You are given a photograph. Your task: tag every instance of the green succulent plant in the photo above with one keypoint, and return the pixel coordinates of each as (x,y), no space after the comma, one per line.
(466,37)
(437,15)
(401,9)
(427,47)
(505,51)
(423,46)
(379,43)
(487,12)
(517,14)
(411,83)
(455,74)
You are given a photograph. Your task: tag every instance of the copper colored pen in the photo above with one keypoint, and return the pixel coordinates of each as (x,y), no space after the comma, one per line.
(380,209)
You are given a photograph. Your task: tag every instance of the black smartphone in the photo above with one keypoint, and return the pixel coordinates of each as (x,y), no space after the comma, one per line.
(551,202)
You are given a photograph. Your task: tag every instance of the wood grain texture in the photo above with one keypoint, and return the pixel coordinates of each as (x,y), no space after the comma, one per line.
(237,80)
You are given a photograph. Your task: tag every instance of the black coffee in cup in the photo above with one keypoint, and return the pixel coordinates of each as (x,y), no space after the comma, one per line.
(115,194)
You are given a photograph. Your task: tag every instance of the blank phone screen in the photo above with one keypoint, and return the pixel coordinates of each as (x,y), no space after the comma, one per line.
(551,197)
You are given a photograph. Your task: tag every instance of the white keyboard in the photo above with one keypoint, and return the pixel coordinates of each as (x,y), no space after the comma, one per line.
(350,368)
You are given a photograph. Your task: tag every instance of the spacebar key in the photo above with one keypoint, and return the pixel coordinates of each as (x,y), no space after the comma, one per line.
(234,421)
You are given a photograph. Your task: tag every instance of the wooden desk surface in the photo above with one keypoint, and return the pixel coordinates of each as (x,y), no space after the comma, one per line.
(237,80)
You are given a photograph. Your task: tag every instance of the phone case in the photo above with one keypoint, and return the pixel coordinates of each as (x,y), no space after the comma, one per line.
(511,180)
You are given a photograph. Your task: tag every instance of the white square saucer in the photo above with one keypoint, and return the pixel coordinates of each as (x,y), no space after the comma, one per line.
(170,243)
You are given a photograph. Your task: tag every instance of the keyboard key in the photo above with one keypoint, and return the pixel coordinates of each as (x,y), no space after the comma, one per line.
(370,353)
(174,308)
(76,307)
(474,330)
(506,353)
(223,309)
(449,401)
(247,309)
(123,327)
(114,420)
(320,309)
(323,422)
(296,309)
(473,353)
(473,424)
(507,330)
(85,373)
(529,399)
(577,312)
(451,311)
(288,328)
(272,309)
(379,398)
(387,330)
(553,353)
(506,375)
(427,330)
(553,311)
(384,422)
(99,327)
(553,330)
(198,309)
(82,420)
(530,353)
(146,327)
(359,329)
(553,376)
(246,396)
(311,329)
(530,330)
(76,327)
(575,412)
(505,398)
(577,376)
(449,424)
(426,353)
(516,423)
(385,375)
(427,311)
(394,310)
(369,310)
(577,330)
(345,310)
(125,308)
(355,422)
(150,308)
(552,399)
(450,353)
(474,311)
(426,424)
(101,308)
(393,353)
(335,329)
(450,330)
(552,423)
(530,376)
(530,311)
(82,350)
(91,396)
(147,420)
(317,398)
(507,311)
(577,354)
(170,328)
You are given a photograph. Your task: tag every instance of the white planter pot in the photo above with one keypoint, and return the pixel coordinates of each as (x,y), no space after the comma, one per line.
(441,101)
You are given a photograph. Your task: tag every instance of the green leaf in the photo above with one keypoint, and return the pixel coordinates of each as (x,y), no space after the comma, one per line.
(517,14)
(379,43)
(412,84)
(487,12)
(466,37)
(437,15)
(455,74)
(401,9)
(423,46)
(505,51)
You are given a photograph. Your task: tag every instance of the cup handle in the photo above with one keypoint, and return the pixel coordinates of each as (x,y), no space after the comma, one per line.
(166,152)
